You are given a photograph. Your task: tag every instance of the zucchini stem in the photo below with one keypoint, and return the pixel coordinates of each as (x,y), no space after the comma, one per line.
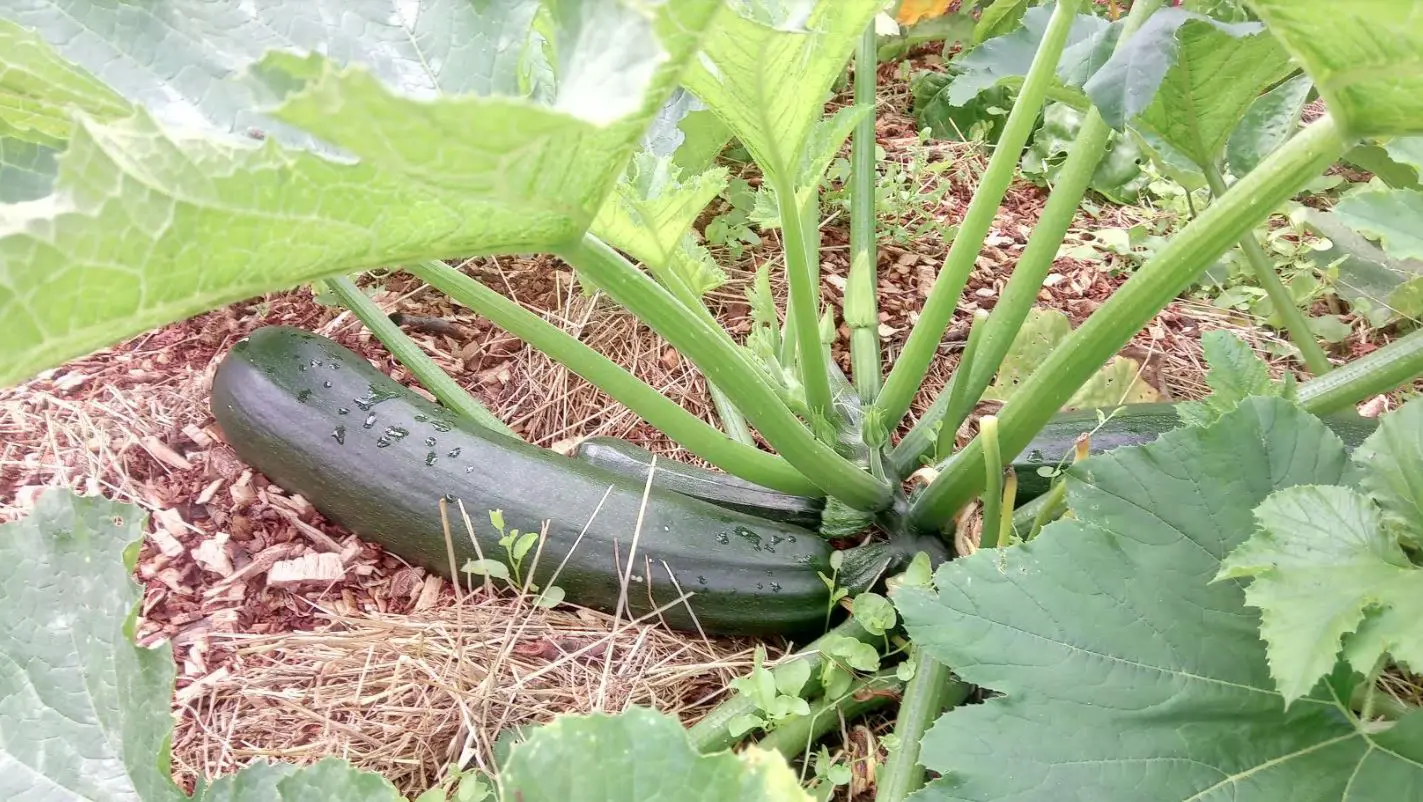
(930,692)
(413,357)
(1026,281)
(1295,325)
(686,429)
(861,312)
(959,401)
(1150,288)
(804,302)
(913,363)
(1377,372)
(722,361)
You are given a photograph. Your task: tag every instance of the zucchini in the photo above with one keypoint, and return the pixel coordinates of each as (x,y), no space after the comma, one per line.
(732,492)
(319,420)
(1131,425)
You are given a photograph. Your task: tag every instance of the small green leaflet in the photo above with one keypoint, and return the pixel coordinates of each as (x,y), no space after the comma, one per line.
(1392,464)
(1325,569)
(1125,672)
(638,756)
(1269,121)
(1006,59)
(1234,372)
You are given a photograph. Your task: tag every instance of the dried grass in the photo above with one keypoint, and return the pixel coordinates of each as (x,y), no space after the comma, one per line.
(408,695)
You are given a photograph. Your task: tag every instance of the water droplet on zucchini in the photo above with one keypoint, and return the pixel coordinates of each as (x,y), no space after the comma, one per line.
(430,458)
(340,435)
(382,442)
(370,421)
(454,452)
(723,538)
(429,441)
(327,385)
(342,411)
(303,396)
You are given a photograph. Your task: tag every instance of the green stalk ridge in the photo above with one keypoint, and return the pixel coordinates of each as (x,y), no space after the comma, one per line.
(682,426)
(913,363)
(804,302)
(721,361)
(861,313)
(1295,325)
(1148,291)
(1026,280)
(420,365)
(930,692)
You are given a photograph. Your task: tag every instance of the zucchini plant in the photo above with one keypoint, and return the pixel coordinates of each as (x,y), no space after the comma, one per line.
(261,149)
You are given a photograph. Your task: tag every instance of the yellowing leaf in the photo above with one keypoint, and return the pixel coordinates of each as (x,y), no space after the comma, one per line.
(912,11)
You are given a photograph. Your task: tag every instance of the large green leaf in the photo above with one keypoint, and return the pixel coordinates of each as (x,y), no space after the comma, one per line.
(1366,57)
(639,756)
(445,130)
(1393,216)
(1127,674)
(1269,121)
(1321,561)
(84,711)
(767,67)
(1006,59)
(1189,79)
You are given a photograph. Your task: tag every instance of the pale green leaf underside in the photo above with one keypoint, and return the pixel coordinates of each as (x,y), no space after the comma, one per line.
(1366,57)
(158,223)
(1394,217)
(1268,123)
(769,84)
(84,712)
(1392,467)
(1219,71)
(639,756)
(1320,562)
(652,206)
(37,88)
(1126,674)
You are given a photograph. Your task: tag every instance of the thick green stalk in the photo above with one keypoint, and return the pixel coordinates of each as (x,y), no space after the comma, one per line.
(993,482)
(930,692)
(1148,291)
(1026,281)
(722,362)
(413,357)
(861,312)
(712,734)
(1295,325)
(803,307)
(677,423)
(1005,515)
(905,458)
(732,420)
(794,735)
(913,363)
(1378,372)
(959,401)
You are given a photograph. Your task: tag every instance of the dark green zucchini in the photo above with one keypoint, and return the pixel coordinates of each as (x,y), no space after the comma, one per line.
(1131,425)
(723,490)
(318,420)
